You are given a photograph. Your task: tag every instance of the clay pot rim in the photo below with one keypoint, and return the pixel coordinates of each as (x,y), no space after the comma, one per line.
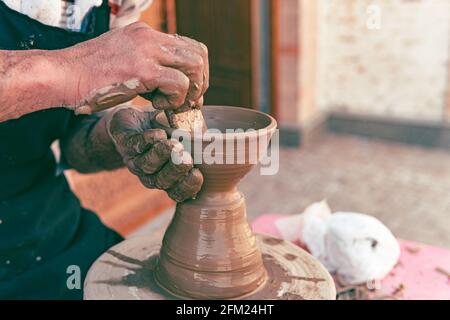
(267,130)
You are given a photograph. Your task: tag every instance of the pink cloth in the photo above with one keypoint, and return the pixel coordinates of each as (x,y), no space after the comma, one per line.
(416,273)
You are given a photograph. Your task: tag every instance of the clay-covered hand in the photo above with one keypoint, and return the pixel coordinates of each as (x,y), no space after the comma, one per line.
(170,70)
(150,155)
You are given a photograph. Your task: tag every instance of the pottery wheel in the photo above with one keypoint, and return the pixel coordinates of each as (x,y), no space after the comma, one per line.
(126,272)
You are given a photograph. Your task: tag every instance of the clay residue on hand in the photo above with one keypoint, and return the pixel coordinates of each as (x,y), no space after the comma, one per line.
(109,96)
(189,119)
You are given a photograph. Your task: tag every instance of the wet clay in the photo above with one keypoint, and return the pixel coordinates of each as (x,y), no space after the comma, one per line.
(209,249)
(187,118)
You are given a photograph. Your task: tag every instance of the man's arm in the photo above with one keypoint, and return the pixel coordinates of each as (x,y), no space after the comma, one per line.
(88,147)
(103,72)
(125,137)
(30,80)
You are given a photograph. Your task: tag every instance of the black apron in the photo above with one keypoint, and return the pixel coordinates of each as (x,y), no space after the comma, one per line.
(43,229)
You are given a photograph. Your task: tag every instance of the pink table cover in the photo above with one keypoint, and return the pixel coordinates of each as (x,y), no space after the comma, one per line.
(422,272)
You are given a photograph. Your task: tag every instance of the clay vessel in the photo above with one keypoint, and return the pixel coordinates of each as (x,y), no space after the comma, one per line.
(209,250)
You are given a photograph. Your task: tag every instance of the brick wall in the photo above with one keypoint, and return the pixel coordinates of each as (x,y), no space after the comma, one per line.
(398,68)
(296,53)
(287,47)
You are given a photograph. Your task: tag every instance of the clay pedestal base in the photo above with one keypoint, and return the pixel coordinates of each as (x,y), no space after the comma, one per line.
(126,271)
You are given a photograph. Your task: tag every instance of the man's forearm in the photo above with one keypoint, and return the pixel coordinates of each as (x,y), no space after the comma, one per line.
(32,80)
(89,148)
(103,72)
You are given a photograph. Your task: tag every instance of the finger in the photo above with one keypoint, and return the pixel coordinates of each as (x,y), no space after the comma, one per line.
(137,144)
(186,59)
(128,120)
(133,144)
(205,79)
(202,50)
(156,157)
(174,170)
(199,102)
(127,131)
(195,73)
(188,187)
(168,90)
(153,136)
(148,181)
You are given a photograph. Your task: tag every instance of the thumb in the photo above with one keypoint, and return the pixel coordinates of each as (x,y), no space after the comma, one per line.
(130,130)
(169,90)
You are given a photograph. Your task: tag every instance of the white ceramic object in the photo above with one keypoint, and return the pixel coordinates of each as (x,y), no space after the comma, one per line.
(355,246)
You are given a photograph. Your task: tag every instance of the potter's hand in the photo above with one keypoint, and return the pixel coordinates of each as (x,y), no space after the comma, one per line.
(148,154)
(169,70)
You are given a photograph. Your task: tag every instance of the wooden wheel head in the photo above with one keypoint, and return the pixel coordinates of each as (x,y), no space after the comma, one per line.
(126,271)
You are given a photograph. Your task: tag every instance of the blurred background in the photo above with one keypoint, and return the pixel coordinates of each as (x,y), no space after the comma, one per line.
(360,89)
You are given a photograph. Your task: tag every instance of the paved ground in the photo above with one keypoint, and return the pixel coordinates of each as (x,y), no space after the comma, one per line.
(406,187)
